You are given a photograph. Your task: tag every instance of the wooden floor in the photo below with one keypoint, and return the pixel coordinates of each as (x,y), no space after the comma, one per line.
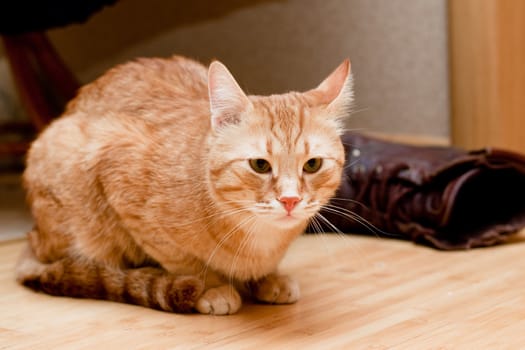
(358,293)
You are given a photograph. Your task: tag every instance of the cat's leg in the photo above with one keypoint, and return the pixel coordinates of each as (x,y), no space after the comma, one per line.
(148,286)
(275,289)
(220,296)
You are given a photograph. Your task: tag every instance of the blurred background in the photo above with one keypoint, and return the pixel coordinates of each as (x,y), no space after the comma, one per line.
(398,50)
(445,72)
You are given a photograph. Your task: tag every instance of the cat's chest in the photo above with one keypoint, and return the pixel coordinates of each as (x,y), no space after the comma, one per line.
(250,254)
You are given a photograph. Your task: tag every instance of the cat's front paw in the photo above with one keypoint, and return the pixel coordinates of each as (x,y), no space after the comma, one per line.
(223,300)
(276,289)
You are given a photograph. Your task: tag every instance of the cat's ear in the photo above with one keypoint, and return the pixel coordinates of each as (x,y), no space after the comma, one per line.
(227,100)
(336,90)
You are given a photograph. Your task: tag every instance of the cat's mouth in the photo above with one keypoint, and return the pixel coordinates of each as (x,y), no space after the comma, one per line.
(276,213)
(295,216)
(290,217)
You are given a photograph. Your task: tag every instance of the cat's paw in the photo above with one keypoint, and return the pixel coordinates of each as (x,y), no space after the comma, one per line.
(276,289)
(223,300)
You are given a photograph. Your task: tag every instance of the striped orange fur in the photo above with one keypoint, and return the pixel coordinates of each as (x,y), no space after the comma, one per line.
(143,191)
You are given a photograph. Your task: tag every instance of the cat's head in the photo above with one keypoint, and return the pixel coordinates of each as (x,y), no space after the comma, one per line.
(277,158)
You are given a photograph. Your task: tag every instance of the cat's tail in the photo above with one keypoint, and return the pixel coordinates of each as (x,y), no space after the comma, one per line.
(148,286)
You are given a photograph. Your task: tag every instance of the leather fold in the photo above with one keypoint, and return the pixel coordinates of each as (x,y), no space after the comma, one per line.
(444,197)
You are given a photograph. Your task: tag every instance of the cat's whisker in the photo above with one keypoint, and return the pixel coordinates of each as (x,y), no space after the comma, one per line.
(354,130)
(213,219)
(357,111)
(223,240)
(317,226)
(351,164)
(221,214)
(352,216)
(353,201)
(245,240)
(359,219)
(314,223)
(344,238)
(252,242)
(237,201)
(330,225)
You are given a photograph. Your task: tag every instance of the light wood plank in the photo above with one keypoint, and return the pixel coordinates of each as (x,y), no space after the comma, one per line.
(487,50)
(358,293)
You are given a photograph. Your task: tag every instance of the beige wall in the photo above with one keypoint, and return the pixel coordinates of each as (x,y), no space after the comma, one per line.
(398,49)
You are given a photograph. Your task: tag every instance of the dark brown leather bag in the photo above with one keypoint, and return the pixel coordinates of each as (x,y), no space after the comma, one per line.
(442,196)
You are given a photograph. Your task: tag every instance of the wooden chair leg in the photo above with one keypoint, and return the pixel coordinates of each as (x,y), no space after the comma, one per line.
(43,81)
(16,138)
(44,85)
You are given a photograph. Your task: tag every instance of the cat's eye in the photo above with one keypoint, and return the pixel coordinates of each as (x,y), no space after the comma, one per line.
(313,165)
(260,165)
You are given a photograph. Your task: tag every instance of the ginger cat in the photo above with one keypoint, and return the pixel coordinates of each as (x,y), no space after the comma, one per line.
(165,185)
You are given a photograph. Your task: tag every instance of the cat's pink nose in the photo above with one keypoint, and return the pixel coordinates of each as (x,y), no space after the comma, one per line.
(289,203)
